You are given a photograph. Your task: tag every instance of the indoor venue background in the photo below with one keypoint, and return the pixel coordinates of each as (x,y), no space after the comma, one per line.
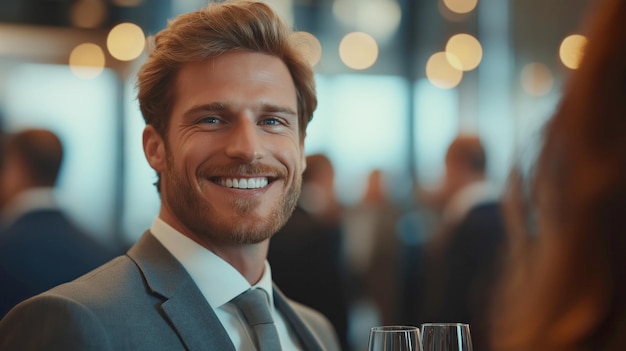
(397,80)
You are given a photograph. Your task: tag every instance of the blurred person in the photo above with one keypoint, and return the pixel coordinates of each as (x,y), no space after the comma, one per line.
(226,97)
(40,246)
(305,255)
(565,282)
(373,247)
(461,259)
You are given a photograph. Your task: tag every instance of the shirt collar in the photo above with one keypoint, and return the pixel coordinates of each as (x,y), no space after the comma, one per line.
(38,198)
(468,197)
(207,269)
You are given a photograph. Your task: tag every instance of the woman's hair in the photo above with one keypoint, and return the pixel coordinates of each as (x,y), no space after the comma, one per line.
(565,288)
(217,29)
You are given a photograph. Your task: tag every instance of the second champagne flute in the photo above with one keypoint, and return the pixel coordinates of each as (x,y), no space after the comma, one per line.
(446,337)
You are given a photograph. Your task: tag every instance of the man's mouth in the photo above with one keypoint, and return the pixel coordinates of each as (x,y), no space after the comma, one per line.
(243,183)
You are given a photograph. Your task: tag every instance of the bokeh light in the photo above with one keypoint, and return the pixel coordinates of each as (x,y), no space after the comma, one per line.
(572,50)
(126,41)
(536,79)
(461,6)
(441,72)
(467,49)
(310,47)
(87,61)
(358,50)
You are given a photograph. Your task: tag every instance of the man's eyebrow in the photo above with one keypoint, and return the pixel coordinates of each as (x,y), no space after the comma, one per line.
(220,107)
(214,106)
(277,109)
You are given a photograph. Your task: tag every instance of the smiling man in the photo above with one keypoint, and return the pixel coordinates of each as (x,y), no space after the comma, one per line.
(226,98)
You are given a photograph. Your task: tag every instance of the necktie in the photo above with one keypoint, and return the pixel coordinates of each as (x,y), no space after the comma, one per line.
(254,305)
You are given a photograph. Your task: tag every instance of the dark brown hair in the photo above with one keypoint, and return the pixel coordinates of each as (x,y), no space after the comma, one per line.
(40,151)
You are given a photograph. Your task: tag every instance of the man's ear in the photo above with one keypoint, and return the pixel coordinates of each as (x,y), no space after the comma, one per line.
(154,149)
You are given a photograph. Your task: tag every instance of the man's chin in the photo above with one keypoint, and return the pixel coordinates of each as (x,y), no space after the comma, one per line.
(256,229)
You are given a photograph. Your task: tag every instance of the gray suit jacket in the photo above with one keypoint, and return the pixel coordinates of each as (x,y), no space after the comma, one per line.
(144,300)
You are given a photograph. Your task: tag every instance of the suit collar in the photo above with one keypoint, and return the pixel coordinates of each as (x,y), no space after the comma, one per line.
(306,338)
(198,327)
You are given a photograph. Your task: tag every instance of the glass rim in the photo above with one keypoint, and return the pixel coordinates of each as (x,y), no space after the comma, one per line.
(445,325)
(396,328)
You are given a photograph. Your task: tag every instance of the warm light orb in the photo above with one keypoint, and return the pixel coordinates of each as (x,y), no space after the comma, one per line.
(441,73)
(572,50)
(467,49)
(536,79)
(310,47)
(461,6)
(87,61)
(358,50)
(126,41)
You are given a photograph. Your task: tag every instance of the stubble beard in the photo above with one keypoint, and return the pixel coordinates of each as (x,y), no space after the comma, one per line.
(199,216)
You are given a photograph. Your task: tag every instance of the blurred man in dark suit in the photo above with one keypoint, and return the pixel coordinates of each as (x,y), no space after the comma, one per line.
(40,247)
(461,257)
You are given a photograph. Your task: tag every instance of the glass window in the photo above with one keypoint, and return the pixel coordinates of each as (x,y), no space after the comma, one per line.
(83,114)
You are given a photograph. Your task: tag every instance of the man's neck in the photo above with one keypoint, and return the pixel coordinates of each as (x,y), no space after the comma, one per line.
(248,259)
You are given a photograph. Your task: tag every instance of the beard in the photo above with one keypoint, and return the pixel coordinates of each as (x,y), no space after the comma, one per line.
(241,226)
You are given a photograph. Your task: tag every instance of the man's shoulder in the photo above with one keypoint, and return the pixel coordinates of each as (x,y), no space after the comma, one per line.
(106,279)
(109,308)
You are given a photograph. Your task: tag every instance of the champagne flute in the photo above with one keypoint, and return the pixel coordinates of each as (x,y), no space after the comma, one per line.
(446,337)
(394,338)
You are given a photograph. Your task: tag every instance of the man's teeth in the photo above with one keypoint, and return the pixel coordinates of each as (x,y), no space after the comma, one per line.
(244,183)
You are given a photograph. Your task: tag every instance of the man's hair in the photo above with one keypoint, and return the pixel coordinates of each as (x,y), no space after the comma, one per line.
(40,151)
(468,151)
(207,33)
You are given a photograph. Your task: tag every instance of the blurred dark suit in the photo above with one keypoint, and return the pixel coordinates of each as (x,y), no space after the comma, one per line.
(305,260)
(468,272)
(40,250)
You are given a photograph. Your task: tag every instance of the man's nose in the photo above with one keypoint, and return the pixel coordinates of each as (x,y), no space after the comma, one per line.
(245,142)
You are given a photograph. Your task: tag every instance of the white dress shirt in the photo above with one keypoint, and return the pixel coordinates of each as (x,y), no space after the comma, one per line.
(209,271)
(39,198)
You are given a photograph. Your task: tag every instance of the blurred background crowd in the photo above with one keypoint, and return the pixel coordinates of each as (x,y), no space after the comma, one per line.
(400,218)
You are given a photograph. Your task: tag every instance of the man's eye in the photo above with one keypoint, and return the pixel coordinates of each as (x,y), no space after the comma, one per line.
(210,120)
(271,122)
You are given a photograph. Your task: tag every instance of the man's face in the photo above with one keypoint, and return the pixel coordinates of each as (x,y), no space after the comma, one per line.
(231,167)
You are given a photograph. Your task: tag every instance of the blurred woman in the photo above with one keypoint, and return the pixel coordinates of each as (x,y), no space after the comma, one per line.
(566,284)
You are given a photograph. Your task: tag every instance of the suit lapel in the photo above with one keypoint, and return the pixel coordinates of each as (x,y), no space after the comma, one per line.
(186,309)
(304,334)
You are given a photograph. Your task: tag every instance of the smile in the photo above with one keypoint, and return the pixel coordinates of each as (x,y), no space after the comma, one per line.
(243,183)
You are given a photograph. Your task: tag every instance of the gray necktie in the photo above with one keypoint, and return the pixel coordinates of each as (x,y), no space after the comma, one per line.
(254,305)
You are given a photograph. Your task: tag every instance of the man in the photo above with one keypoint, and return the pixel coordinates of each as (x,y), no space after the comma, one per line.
(226,98)
(40,247)
(462,257)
